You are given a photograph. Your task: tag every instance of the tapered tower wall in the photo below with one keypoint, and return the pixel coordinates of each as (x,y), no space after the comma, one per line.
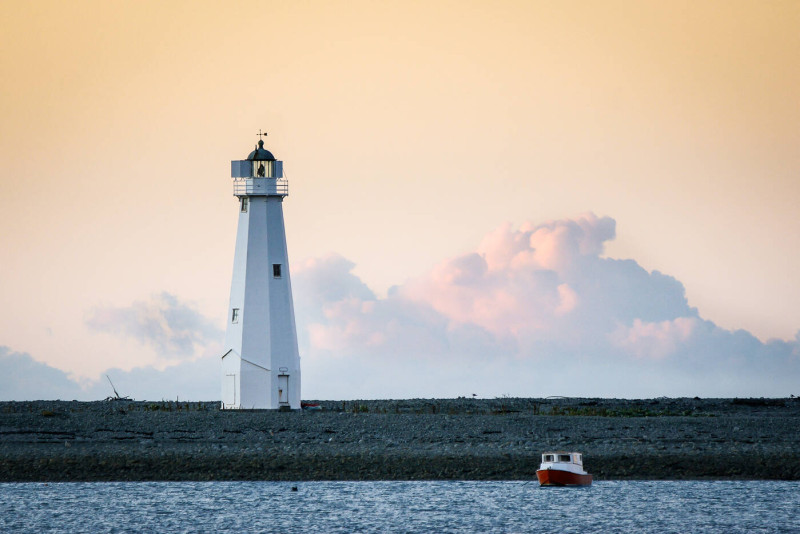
(261,363)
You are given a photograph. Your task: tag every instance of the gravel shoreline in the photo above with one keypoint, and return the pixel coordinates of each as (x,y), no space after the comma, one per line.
(475,439)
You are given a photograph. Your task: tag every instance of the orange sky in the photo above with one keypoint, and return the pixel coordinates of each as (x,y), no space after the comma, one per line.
(409,131)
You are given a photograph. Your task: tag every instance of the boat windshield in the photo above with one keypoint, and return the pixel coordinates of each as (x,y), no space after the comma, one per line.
(564,458)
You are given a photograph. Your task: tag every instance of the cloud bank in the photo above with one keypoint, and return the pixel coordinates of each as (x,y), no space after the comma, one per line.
(186,343)
(26,379)
(532,311)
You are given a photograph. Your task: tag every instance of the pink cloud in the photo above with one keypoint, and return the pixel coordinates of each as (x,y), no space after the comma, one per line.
(518,280)
(553,245)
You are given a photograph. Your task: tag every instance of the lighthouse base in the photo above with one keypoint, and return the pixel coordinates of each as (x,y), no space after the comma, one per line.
(249,386)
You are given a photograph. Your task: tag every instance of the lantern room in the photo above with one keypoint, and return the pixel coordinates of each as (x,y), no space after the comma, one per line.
(259,174)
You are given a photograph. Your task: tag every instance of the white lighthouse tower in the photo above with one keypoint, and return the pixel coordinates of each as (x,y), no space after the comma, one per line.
(261,364)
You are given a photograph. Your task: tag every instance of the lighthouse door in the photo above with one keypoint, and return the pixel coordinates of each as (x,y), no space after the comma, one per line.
(283,390)
(229,391)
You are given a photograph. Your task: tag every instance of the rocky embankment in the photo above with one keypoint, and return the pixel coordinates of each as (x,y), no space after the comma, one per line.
(461,438)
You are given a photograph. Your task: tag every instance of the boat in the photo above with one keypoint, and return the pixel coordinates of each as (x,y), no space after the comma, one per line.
(563,469)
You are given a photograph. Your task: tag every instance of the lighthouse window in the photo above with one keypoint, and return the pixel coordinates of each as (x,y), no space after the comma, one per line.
(276,270)
(235,315)
(244,201)
(262,169)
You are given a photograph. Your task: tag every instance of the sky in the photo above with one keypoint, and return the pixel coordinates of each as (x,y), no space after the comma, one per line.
(499,198)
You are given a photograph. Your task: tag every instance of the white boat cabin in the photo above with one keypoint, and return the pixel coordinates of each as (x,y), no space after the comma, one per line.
(564,461)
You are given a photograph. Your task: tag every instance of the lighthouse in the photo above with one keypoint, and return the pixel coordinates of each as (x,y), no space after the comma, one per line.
(260,363)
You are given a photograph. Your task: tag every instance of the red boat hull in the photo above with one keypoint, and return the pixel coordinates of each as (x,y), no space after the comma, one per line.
(556,477)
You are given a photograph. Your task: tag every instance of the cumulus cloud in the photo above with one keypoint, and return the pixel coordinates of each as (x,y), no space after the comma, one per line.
(539,284)
(173,328)
(527,303)
(549,282)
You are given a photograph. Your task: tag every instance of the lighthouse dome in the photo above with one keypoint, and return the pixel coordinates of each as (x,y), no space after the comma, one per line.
(261,153)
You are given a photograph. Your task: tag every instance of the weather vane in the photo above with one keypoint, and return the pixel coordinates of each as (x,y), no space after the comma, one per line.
(260,135)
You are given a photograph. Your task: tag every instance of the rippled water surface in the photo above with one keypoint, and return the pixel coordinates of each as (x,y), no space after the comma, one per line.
(752,506)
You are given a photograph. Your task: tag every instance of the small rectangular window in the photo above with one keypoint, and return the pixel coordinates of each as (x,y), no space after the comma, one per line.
(244,202)
(235,315)
(564,458)
(276,270)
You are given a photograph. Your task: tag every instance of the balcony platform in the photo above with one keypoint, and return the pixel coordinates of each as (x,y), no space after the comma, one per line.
(278,187)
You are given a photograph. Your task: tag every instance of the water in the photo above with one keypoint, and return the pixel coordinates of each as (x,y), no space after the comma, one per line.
(440,507)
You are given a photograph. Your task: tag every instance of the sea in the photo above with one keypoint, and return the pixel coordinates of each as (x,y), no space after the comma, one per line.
(430,507)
